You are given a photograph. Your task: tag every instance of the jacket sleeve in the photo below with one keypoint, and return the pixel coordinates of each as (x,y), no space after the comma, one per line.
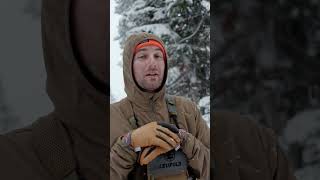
(280,166)
(122,160)
(197,147)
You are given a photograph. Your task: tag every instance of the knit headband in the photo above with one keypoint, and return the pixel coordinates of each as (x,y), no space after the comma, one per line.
(150,42)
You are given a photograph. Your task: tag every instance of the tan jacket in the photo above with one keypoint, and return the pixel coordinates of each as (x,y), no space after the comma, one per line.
(148,107)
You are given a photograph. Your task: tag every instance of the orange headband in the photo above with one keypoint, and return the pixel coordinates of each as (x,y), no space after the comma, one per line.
(151,42)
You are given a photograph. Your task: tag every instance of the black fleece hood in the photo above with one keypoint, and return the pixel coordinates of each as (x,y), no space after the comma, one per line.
(79,105)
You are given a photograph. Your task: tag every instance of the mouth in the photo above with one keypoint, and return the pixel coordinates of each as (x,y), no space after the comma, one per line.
(152,74)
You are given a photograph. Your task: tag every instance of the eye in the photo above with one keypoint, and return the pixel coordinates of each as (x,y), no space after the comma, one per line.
(158,56)
(141,56)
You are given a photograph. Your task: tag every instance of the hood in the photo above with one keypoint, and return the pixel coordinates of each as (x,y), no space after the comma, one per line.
(134,93)
(78,103)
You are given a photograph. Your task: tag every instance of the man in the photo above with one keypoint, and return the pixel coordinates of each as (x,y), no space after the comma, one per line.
(69,143)
(141,124)
(142,132)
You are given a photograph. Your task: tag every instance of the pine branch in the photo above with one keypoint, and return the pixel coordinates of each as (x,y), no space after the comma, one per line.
(170,86)
(194,33)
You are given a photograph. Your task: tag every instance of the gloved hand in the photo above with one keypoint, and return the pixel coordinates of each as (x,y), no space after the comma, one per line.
(150,153)
(169,126)
(180,132)
(153,134)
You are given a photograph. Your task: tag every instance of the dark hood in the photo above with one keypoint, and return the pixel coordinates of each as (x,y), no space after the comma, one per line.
(79,105)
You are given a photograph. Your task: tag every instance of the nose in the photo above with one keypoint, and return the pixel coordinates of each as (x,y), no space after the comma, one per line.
(152,62)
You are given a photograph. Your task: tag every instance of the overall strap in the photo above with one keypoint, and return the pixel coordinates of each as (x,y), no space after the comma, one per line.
(132,118)
(172,108)
(171,105)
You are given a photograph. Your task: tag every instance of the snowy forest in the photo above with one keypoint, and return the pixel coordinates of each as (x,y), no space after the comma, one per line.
(263,57)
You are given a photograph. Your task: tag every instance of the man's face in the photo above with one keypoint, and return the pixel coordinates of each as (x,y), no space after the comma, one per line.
(148,67)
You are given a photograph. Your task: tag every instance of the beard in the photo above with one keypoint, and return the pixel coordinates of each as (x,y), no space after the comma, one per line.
(152,82)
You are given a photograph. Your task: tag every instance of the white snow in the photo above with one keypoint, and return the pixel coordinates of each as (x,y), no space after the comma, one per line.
(173,74)
(170,3)
(206,117)
(193,79)
(206,4)
(116,76)
(138,4)
(159,14)
(158,29)
(190,1)
(205,103)
(138,11)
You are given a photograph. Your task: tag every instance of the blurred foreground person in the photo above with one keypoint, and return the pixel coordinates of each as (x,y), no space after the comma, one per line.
(69,143)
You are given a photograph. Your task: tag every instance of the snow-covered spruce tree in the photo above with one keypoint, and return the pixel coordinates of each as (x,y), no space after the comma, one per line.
(184,26)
